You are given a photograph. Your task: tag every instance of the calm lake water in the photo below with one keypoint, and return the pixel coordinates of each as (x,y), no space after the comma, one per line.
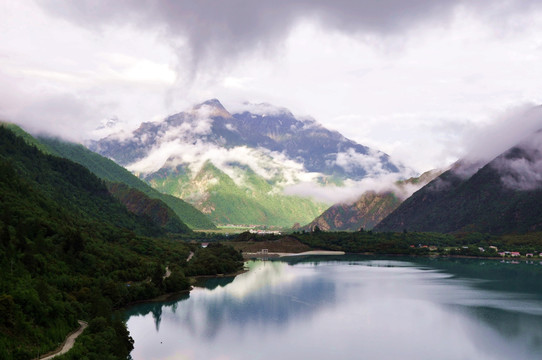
(352,307)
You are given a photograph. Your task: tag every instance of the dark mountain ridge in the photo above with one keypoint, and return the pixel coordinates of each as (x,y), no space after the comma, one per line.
(503,196)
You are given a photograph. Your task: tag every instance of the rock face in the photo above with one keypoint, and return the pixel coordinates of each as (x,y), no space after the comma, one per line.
(234,167)
(365,213)
(502,196)
(369,209)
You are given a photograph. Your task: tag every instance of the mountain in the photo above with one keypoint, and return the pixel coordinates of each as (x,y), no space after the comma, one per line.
(69,185)
(370,208)
(69,250)
(502,196)
(236,167)
(139,203)
(110,171)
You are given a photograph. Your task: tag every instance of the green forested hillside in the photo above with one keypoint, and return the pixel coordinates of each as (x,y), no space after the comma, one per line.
(255,202)
(69,251)
(110,171)
(140,204)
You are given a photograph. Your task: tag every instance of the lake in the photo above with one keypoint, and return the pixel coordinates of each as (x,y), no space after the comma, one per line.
(351,307)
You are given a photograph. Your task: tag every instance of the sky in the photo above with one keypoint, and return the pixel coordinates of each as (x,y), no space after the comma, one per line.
(425,81)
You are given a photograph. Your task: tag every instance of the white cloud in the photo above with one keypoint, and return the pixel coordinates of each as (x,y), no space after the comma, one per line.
(409,79)
(506,129)
(272,166)
(351,190)
(523,172)
(371,162)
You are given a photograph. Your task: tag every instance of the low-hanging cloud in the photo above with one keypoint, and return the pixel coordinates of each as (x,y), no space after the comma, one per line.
(518,128)
(507,130)
(522,172)
(351,190)
(514,126)
(349,160)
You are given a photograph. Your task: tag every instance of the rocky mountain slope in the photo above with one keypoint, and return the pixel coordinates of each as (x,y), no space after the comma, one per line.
(236,167)
(502,196)
(370,208)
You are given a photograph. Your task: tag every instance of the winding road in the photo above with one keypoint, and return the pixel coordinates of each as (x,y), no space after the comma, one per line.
(68,343)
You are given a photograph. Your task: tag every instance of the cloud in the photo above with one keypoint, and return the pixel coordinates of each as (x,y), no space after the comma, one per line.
(371,162)
(263,109)
(218,31)
(523,172)
(48,111)
(175,150)
(508,129)
(351,190)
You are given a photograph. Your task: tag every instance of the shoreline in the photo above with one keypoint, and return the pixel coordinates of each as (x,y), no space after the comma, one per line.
(285,254)
(178,294)
(275,255)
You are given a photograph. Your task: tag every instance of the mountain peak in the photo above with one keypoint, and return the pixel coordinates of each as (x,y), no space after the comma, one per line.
(266,109)
(213,107)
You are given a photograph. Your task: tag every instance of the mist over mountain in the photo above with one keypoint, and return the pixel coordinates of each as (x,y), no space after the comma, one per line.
(213,158)
(370,208)
(273,131)
(501,196)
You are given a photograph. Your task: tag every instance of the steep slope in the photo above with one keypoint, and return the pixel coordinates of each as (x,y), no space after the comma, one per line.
(263,152)
(70,185)
(228,203)
(139,203)
(110,171)
(504,196)
(370,208)
(70,251)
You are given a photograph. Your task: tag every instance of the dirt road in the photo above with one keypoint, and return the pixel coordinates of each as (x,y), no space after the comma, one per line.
(68,343)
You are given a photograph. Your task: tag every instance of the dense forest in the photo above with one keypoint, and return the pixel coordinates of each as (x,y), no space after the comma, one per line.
(69,250)
(108,170)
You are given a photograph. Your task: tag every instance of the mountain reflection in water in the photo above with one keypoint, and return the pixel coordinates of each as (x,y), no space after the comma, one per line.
(359,308)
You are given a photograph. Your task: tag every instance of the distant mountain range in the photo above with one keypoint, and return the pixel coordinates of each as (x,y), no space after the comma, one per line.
(236,167)
(370,208)
(502,196)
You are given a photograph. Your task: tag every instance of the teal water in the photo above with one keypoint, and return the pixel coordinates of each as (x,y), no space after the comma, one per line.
(351,308)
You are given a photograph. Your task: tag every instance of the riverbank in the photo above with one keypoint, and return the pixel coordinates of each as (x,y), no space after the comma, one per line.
(290,254)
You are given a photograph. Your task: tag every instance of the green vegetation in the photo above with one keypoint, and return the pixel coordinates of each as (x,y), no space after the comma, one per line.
(403,243)
(213,260)
(140,204)
(226,202)
(69,251)
(108,170)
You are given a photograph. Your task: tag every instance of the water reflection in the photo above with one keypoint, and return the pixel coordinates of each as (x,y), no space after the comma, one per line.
(363,307)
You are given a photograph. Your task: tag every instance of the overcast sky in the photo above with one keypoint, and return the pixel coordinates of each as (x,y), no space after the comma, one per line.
(415,79)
